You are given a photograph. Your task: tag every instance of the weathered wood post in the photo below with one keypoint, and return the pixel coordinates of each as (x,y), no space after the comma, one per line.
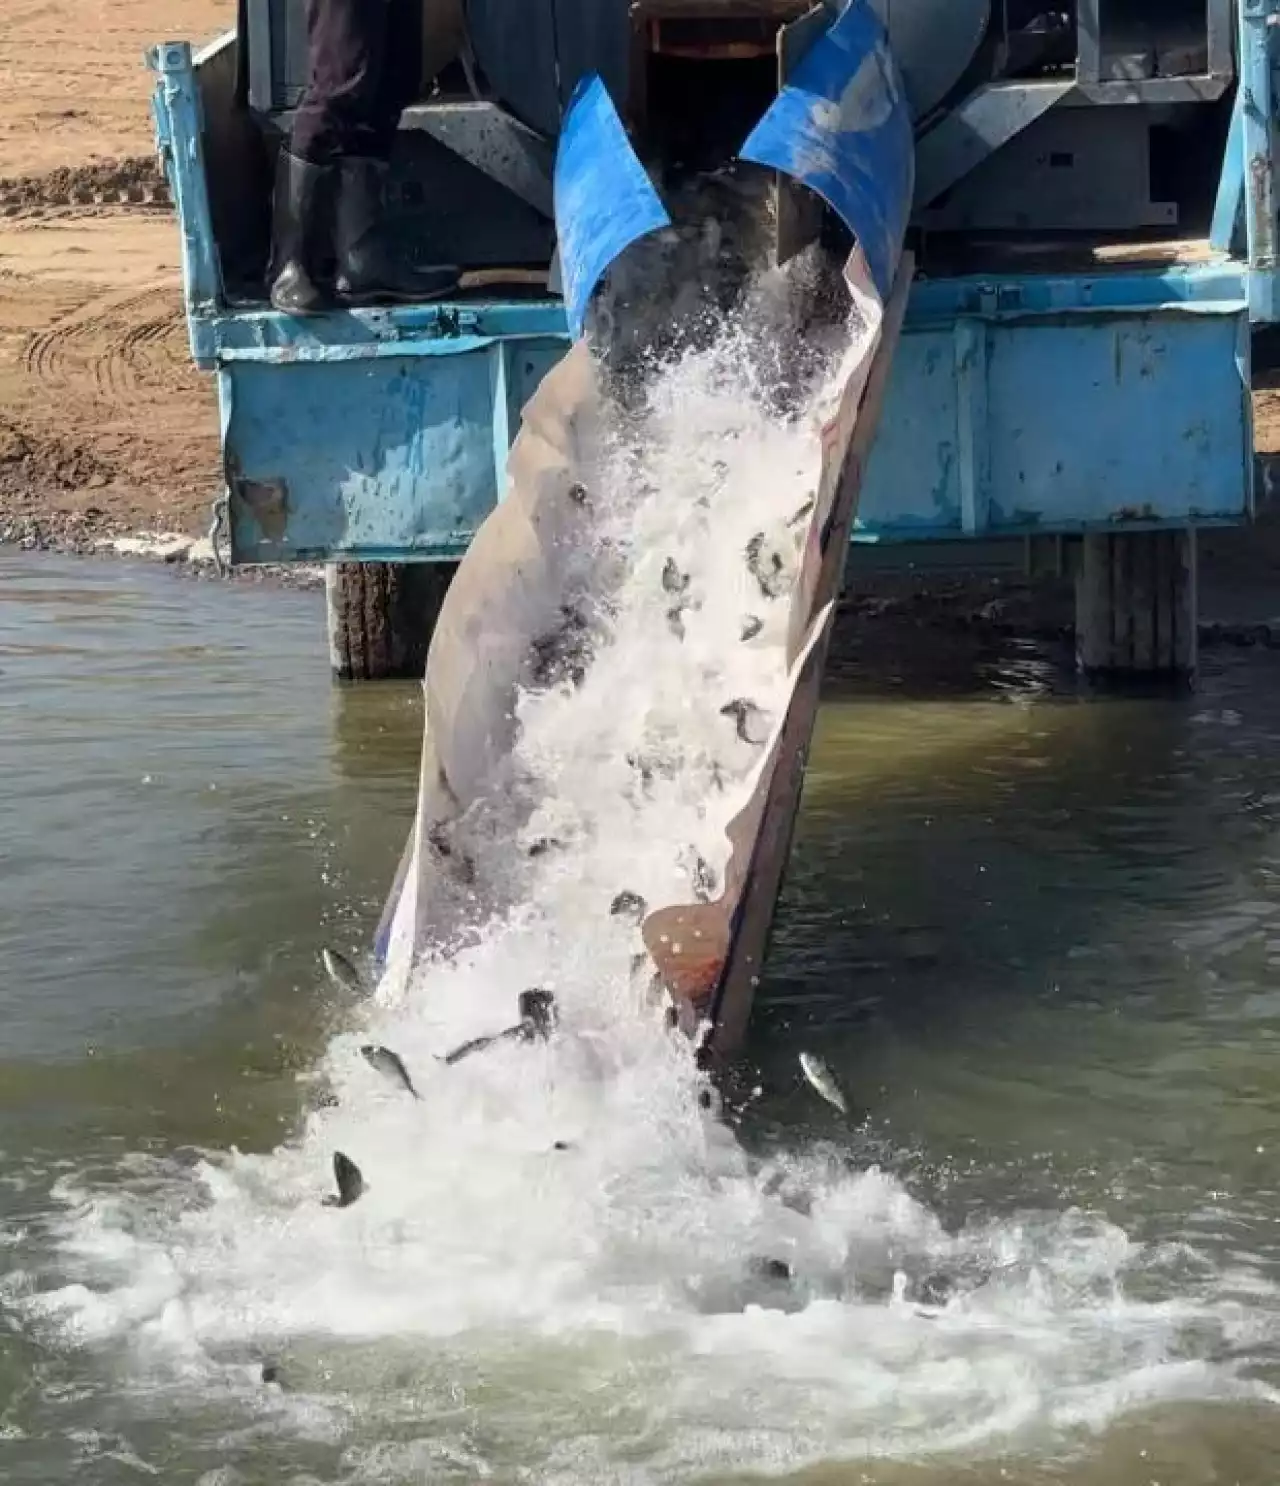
(1136,605)
(381,617)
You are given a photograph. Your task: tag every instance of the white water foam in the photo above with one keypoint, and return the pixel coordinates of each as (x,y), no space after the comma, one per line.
(496,1305)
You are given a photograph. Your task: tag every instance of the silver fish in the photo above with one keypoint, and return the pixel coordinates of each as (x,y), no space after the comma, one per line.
(673,580)
(823,1082)
(628,905)
(342,972)
(744,713)
(390,1065)
(350,1182)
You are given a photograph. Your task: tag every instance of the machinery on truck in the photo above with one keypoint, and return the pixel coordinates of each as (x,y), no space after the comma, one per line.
(1082,191)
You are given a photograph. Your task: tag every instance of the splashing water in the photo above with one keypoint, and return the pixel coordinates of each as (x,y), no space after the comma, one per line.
(601,1311)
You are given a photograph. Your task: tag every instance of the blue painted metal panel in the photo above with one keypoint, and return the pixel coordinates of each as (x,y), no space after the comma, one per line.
(179,138)
(1005,429)
(441,329)
(399,456)
(992,427)
(842,127)
(1213,288)
(604,200)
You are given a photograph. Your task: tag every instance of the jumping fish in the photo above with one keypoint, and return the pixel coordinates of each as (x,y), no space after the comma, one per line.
(768,575)
(538,1019)
(673,580)
(390,1065)
(805,510)
(628,905)
(350,1182)
(342,972)
(751,627)
(476,1045)
(703,878)
(823,1082)
(744,712)
(539,1015)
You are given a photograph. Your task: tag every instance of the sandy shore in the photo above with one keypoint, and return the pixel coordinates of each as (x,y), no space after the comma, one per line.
(106,429)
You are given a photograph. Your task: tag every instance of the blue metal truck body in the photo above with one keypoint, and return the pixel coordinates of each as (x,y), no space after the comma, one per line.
(1021,403)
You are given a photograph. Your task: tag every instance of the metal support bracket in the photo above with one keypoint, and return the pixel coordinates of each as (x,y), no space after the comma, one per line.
(495,143)
(984,123)
(179,139)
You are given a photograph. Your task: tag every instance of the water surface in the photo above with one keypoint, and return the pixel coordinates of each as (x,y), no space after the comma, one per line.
(1035,933)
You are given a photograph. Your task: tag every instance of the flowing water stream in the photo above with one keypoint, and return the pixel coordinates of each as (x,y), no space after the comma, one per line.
(1035,934)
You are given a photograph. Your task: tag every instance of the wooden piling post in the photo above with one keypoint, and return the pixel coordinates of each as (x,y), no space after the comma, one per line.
(1136,605)
(381,617)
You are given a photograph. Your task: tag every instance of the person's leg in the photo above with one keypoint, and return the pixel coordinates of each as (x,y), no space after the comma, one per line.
(341,110)
(336,117)
(368,270)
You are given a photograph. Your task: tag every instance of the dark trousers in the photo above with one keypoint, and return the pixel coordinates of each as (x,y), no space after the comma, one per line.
(365,66)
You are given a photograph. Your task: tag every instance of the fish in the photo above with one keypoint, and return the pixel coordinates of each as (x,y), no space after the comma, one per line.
(768,575)
(460,864)
(628,905)
(823,1082)
(744,712)
(539,1015)
(538,1019)
(343,973)
(673,580)
(476,1045)
(390,1065)
(771,1269)
(751,627)
(702,878)
(703,1052)
(805,510)
(350,1182)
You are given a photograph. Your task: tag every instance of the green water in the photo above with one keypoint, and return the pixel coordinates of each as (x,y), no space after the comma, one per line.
(1037,933)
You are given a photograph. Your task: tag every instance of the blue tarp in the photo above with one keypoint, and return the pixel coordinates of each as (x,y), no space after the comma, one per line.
(604,201)
(841,126)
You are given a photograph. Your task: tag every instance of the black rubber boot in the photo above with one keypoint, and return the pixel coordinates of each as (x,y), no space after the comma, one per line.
(367,270)
(297,233)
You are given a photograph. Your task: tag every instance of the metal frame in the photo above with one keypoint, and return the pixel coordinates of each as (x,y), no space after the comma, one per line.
(1089,22)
